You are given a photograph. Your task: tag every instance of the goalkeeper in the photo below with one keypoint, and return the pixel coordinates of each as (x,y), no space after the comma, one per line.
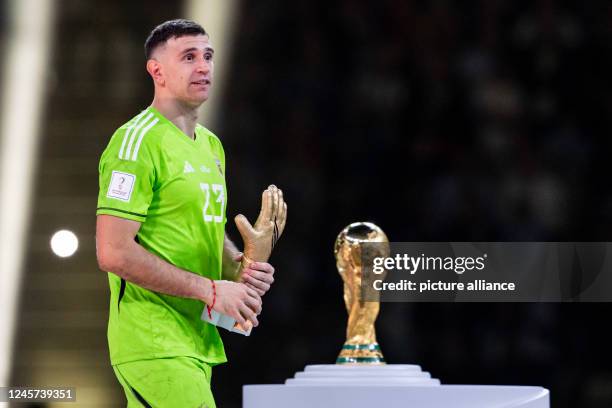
(161,233)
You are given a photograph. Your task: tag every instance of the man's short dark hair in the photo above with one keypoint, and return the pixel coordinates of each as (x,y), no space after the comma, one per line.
(170,29)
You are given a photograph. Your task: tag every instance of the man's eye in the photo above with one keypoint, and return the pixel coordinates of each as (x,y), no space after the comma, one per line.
(208,57)
(189,57)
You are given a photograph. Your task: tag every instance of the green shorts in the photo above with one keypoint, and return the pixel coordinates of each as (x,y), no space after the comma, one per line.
(166,382)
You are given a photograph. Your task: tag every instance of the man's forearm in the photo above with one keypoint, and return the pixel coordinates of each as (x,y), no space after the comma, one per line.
(231,267)
(137,265)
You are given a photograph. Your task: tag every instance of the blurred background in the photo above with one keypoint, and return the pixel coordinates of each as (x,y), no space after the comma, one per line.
(438,120)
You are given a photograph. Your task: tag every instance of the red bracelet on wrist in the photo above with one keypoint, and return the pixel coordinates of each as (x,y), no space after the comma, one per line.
(209,308)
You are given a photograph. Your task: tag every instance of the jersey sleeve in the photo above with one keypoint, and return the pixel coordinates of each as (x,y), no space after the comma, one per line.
(127,179)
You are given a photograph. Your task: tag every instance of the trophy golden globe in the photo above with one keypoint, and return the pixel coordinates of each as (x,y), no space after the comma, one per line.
(352,254)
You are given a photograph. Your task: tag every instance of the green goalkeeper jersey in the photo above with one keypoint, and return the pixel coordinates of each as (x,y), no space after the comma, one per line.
(151,172)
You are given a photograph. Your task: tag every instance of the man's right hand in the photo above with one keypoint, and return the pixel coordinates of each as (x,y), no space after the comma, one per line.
(236,300)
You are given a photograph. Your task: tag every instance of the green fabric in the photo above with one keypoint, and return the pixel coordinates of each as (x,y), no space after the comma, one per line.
(169,382)
(151,172)
(350,360)
(361,347)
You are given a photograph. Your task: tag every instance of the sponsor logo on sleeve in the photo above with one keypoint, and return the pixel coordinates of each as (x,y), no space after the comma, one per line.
(121,186)
(188,168)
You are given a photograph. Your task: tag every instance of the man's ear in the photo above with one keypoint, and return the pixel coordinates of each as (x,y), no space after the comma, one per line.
(154,68)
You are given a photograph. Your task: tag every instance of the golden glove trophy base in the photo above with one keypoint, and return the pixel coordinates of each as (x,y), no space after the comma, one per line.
(226,322)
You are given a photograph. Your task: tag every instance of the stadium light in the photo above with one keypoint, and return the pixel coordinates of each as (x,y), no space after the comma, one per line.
(64,243)
(219,19)
(23,87)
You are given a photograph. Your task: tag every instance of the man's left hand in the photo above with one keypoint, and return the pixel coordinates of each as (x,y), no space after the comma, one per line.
(256,275)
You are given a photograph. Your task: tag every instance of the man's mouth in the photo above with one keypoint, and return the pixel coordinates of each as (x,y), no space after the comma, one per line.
(202,82)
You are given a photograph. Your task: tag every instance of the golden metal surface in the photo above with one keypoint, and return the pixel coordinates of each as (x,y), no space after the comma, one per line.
(361,346)
(259,239)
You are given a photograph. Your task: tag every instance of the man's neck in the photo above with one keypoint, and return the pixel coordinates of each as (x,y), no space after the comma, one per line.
(185,117)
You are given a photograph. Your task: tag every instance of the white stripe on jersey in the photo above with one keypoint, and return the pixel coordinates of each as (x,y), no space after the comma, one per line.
(133,136)
(143,132)
(133,124)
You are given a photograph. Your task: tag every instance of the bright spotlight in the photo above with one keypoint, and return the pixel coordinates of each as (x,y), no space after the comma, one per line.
(64,243)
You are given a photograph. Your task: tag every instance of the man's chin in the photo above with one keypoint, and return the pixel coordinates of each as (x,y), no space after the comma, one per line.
(201,97)
(197,100)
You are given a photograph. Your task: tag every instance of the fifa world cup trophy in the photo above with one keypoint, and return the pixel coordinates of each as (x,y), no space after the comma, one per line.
(351,254)
(361,378)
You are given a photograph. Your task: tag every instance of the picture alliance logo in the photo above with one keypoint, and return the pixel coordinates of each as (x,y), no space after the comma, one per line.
(413,264)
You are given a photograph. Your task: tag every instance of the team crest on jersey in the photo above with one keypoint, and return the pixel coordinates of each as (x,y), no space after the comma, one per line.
(218,162)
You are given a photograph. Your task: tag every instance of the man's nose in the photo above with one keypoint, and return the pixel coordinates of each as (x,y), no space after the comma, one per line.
(204,66)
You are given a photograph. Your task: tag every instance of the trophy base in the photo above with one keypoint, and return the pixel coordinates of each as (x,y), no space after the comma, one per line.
(360,374)
(360,354)
(391,386)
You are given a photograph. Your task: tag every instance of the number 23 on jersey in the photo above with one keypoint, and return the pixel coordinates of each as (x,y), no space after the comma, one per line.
(219,197)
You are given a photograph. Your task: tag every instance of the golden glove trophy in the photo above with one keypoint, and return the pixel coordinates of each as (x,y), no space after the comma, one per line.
(361,346)
(259,241)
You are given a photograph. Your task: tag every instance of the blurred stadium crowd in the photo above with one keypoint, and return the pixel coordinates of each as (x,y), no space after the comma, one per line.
(439,121)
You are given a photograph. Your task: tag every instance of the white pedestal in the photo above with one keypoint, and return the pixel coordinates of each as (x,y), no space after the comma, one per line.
(388,386)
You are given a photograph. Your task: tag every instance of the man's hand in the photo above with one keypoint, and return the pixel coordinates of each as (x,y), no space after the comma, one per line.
(259,240)
(258,276)
(238,301)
